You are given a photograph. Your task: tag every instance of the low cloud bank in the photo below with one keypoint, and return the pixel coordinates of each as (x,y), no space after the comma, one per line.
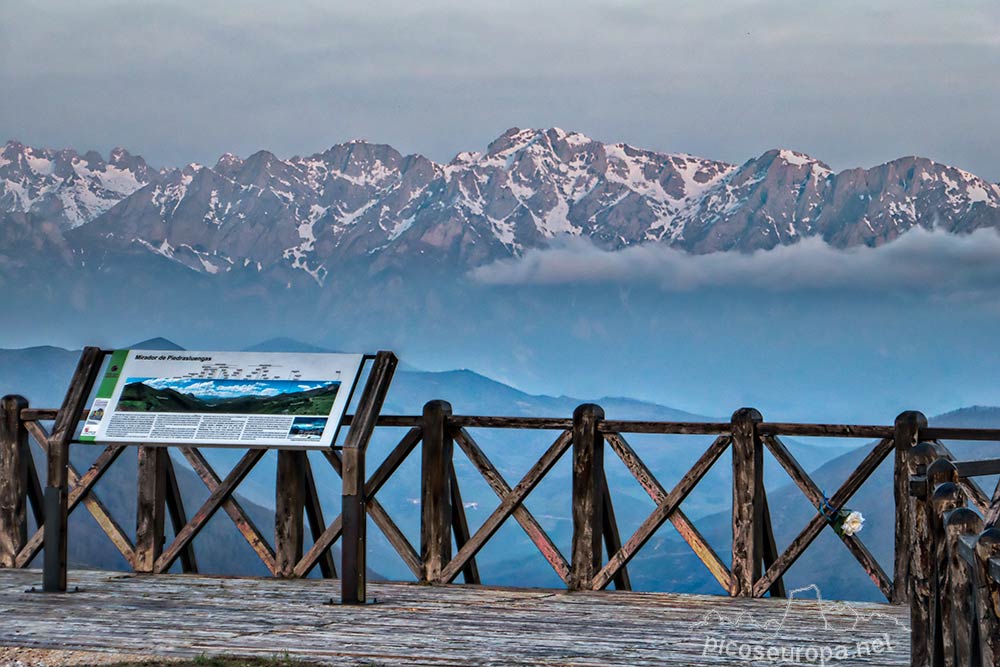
(919,261)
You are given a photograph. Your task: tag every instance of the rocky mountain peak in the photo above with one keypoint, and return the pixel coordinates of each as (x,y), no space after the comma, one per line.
(365,204)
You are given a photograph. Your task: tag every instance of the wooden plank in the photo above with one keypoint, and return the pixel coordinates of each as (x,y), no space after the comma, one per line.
(35,493)
(826,430)
(178,517)
(435,490)
(215,500)
(659,496)
(978,468)
(588,473)
(664,428)
(13,480)
(522,515)
(460,525)
(635,426)
(150,517)
(748,487)
(612,538)
(907,430)
(507,506)
(447,626)
(317,524)
(818,522)
(289,507)
(81,491)
(322,544)
(57,483)
(240,518)
(770,548)
(529,423)
(667,505)
(354,549)
(975,492)
(812,492)
(949,433)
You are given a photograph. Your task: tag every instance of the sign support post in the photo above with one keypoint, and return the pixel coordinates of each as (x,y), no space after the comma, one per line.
(354,500)
(57,486)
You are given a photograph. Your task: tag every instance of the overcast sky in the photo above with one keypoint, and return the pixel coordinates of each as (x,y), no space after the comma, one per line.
(851,83)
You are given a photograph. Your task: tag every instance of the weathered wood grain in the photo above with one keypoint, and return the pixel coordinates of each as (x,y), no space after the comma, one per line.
(81,491)
(588,475)
(975,492)
(240,518)
(664,428)
(317,524)
(748,489)
(445,626)
(57,483)
(921,566)
(947,497)
(460,525)
(393,534)
(178,516)
(435,490)
(988,596)
(354,500)
(612,537)
(13,480)
(907,431)
(978,468)
(826,430)
(950,433)
(960,523)
(812,530)
(812,492)
(769,548)
(507,506)
(150,516)
(502,489)
(667,506)
(289,511)
(215,500)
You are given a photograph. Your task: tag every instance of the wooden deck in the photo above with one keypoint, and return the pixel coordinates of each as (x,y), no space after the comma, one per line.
(188,615)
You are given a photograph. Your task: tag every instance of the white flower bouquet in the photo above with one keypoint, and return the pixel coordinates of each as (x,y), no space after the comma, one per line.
(844,521)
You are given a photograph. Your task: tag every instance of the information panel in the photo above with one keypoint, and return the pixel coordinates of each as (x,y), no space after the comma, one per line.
(240,399)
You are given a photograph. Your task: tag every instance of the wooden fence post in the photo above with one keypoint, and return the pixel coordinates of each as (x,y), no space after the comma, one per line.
(588,496)
(988,596)
(13,480)
(150,510)
(289,510)
(748,489)
(435,490)
(947,497)
(906,434)
(921,553)
(960,523)
(354,502)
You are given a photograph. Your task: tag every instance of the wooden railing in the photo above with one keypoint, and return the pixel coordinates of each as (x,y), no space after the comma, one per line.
(955,570)
(755,566)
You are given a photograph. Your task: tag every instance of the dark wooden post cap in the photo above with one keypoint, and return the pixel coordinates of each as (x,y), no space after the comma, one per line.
(588,409)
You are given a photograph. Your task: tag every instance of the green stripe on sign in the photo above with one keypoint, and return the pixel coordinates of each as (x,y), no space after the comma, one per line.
(107,386)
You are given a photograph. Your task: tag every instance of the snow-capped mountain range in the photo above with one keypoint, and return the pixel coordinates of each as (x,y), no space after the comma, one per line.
(365,204)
